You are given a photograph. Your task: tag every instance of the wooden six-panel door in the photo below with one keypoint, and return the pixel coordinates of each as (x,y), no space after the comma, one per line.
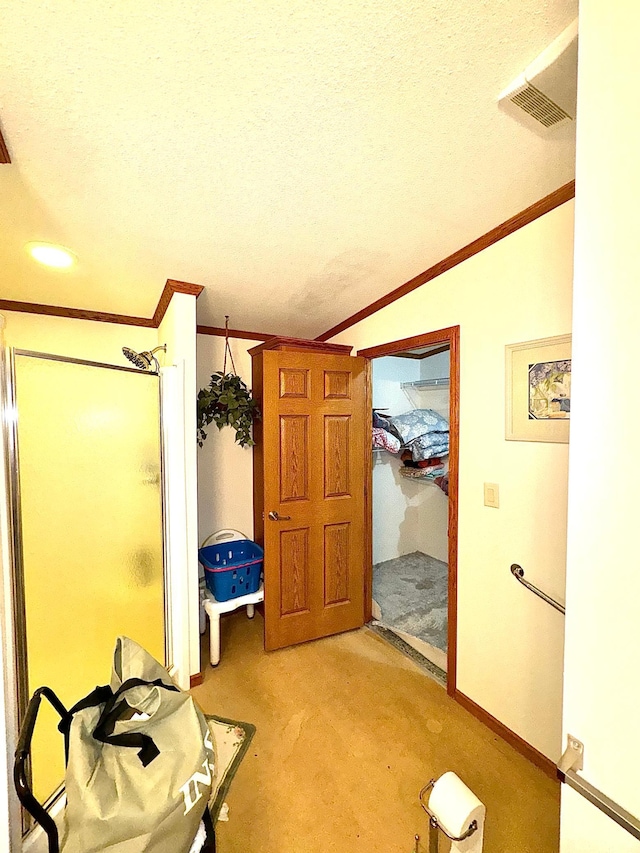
(311,452)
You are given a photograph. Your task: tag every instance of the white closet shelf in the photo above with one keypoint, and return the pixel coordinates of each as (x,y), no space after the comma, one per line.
(427,383)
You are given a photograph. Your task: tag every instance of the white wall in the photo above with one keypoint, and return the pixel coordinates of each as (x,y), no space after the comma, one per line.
(510,643)
(178,331)
(225,470)
(408,515)
(435,366)
(387,374)
(436,398)
(433,536)
(602,695)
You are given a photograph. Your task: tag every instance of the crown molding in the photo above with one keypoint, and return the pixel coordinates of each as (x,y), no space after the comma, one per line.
(74,313)
(170,288)
(218,331)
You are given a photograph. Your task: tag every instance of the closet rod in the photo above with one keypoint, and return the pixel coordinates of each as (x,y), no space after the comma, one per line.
(518,573)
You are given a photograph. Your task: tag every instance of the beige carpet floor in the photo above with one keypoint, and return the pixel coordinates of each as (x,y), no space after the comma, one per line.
(348,730)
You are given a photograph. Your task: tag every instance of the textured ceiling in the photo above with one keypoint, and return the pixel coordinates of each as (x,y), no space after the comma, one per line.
(299,159)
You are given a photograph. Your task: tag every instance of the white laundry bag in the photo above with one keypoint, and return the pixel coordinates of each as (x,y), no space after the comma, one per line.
(140,762)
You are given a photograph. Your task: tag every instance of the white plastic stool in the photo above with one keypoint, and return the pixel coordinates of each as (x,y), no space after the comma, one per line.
(214,608)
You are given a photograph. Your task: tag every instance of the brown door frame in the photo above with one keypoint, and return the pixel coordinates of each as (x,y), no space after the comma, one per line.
(450,336)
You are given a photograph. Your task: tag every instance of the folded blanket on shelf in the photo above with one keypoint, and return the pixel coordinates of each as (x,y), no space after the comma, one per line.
(380,420)
(423,432)
(435,470)
(427,463)
(422,473)
(417,423)
(384,439)
(429,445)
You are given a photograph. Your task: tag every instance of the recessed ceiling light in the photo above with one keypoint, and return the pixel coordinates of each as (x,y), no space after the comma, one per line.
(51,255)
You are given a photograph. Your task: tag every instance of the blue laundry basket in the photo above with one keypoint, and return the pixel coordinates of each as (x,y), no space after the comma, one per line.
(233,566)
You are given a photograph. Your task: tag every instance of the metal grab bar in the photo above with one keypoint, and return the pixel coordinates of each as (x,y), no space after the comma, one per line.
(518,573)
(606,805)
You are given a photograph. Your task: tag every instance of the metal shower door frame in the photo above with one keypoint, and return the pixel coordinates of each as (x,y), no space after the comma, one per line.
(15,521)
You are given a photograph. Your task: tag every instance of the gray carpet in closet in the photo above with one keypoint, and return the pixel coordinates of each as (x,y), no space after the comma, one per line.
(412,593)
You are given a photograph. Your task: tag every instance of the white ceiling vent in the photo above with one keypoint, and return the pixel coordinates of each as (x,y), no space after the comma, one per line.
(544,95)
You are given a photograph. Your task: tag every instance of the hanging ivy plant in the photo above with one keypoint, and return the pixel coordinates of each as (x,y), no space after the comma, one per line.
(227,401)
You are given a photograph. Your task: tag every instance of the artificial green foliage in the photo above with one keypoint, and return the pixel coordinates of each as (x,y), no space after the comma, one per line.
(227,402)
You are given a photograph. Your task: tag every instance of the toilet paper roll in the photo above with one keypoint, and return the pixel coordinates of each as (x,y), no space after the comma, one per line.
(456,806)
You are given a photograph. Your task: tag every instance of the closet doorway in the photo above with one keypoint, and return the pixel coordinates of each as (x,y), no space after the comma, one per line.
(412,511)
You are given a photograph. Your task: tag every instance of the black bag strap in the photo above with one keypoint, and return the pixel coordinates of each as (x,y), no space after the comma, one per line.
(111,713)
(98,696)
(210,830)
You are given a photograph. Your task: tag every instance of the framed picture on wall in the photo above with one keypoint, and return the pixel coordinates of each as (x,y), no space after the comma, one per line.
(538,390)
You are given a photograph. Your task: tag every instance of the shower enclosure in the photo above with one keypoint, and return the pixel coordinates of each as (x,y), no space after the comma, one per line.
(86,487)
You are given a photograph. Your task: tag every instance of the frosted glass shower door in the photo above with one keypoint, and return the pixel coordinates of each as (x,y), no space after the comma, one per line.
(90,554)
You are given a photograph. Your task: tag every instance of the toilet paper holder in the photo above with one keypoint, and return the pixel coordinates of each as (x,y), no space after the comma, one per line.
(435,825)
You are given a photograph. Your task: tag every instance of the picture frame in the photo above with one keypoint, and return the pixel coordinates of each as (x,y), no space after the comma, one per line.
(538,390)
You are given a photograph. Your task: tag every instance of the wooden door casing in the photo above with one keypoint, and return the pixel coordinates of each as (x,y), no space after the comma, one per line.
(449,337)
(311,454)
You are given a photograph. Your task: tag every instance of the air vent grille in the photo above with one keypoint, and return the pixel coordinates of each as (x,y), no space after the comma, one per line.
(539,106)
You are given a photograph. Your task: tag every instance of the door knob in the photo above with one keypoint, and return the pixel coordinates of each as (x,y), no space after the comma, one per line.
(273,516)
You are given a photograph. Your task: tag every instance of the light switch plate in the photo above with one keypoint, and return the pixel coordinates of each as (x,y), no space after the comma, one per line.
(491,495)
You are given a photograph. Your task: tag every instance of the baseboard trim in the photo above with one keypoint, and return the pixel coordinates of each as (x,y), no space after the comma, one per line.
(529,752)
(196,680)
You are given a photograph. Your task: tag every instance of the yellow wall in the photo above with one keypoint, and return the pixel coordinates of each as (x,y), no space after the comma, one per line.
(510,643)
(76,338)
